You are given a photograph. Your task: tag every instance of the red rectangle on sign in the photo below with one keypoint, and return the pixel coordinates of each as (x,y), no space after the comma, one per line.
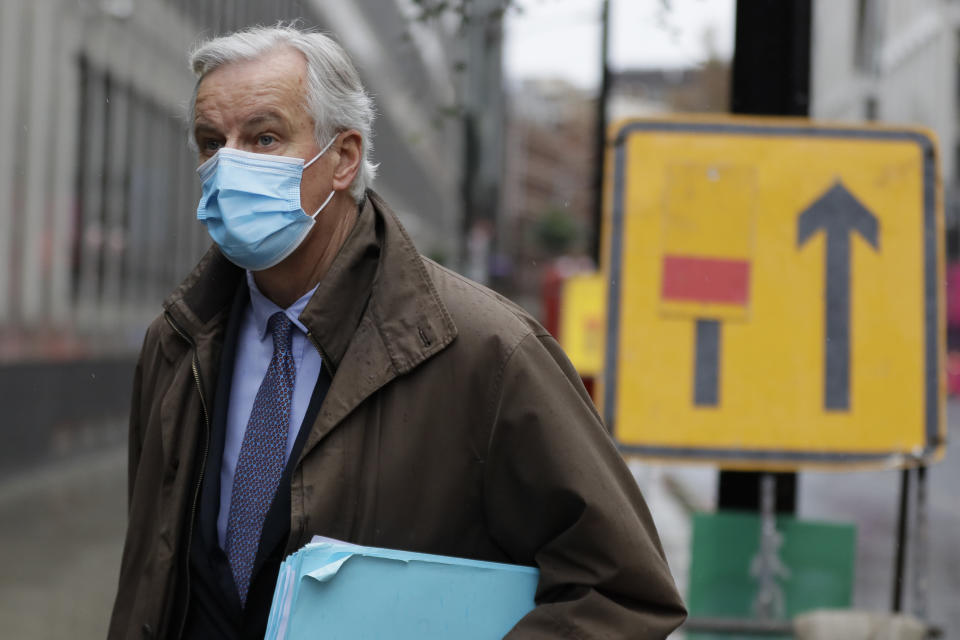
(711,280)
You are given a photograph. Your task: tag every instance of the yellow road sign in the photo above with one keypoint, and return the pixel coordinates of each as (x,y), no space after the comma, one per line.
(582,317)
(776,295)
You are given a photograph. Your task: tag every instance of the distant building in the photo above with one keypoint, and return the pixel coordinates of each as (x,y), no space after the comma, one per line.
(548,180)
(893,61)
(550,160)
(638,93)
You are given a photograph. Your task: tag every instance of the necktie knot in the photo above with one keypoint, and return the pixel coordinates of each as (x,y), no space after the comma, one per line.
(281,329)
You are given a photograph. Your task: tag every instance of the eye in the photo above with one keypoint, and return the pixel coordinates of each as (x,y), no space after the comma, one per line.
(265,140)
(210,145)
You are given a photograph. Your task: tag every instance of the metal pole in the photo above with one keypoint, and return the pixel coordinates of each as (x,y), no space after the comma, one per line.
(901,550)
(920,571)
(482,122)
(601,133)
(767,568)
(770,76)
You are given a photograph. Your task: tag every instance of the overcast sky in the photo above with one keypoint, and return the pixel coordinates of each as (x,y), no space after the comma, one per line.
(561,38)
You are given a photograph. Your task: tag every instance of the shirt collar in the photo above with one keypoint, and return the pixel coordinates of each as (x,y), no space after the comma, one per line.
(263,307)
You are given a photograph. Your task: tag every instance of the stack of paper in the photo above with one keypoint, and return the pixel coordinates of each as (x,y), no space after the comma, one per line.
(336,590)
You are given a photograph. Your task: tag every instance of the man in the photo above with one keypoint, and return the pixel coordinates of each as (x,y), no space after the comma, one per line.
(315,375)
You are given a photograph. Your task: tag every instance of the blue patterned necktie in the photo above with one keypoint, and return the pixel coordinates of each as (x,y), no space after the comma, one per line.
(262,455)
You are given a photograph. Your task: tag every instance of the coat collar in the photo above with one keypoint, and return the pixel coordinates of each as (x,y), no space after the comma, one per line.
(204,297)
(377,289)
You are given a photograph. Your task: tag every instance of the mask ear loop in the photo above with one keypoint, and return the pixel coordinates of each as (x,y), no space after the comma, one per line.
(329,197)
(322,151)
(325,203)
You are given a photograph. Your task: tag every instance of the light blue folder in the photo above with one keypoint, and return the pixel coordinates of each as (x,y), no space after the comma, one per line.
(339,591)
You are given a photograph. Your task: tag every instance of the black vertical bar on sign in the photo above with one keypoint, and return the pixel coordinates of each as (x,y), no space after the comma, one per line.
(771,76)
(706,367)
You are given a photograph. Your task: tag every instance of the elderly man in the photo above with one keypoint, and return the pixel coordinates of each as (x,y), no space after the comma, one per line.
(316,375)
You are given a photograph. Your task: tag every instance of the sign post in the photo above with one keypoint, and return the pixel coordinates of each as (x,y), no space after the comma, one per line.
(774,303)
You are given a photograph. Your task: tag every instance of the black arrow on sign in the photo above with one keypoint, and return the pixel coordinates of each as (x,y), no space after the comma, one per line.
(839,214)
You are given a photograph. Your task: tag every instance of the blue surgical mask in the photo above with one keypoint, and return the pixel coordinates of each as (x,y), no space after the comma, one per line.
(251,205)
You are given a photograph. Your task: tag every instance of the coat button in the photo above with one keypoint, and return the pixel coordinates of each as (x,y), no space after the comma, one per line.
(147,630)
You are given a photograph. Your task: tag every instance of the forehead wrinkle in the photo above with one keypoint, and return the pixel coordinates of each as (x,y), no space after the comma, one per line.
(265,117)
(248,93)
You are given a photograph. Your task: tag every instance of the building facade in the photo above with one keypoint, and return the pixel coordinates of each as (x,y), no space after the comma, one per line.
(548,189)
(893,61)
(98,189)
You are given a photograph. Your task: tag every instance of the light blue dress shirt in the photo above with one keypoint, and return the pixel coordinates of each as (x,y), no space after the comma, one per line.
(254,351)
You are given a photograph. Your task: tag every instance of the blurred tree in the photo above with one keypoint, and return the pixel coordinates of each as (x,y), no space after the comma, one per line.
(557,230)
(431,9)
(475,63)
(463,9)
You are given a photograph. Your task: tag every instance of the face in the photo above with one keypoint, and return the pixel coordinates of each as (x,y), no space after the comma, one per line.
(259,105)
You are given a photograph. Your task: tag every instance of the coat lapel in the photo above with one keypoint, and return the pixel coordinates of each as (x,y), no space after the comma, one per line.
(375,316)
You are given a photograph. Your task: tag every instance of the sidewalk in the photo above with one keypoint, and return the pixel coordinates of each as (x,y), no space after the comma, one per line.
(61,533)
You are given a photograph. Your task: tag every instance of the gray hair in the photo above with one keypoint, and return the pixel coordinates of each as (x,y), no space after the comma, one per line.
(335,97)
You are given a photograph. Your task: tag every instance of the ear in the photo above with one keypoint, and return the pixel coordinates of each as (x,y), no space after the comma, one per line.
(350,156)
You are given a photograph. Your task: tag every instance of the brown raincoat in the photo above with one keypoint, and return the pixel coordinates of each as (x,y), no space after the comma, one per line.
(454,425)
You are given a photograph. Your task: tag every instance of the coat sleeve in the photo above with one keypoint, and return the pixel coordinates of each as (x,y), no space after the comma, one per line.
(559,496)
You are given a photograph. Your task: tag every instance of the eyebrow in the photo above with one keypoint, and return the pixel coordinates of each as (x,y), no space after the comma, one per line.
(203,127)
(256,120)
(263,117)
